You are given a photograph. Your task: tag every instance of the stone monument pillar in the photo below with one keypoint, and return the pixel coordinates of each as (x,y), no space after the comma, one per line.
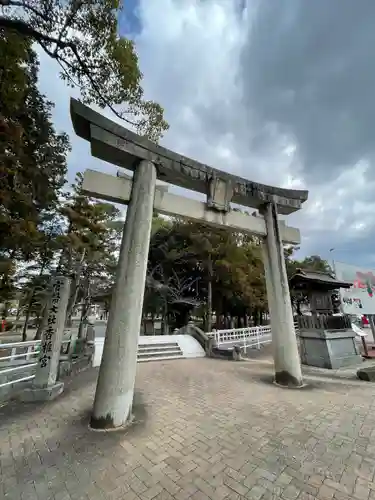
(115,388)
(285,350)
(44,385)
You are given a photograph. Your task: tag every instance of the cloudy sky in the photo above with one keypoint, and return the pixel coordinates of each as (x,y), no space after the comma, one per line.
(278,91)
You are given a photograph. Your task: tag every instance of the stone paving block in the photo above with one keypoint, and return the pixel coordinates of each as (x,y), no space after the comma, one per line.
(291,492)
(267,485)
(361,492)
(283,479)
(304,487)
(62,495)
(326,493)
(207,441)
(306,496)
(256,493)
(164,495)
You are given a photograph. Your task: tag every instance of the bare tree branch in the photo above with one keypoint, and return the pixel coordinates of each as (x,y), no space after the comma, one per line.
(23,5)
(26,30)
(69,18)
(95,86)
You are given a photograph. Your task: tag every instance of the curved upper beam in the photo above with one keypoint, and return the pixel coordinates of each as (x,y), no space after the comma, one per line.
(118,145)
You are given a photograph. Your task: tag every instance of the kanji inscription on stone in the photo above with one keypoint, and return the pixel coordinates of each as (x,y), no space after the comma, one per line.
(52,334)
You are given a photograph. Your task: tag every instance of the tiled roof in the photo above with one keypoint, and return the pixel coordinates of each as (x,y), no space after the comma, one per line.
(305,275)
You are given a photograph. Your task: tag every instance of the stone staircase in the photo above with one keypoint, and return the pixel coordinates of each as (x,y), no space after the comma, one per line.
(158,352)
(158,348)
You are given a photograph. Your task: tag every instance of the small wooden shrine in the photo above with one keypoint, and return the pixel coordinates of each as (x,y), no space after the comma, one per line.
(326,340)
(317,288)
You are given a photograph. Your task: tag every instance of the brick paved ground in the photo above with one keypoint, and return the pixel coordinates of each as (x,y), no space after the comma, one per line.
(207,429)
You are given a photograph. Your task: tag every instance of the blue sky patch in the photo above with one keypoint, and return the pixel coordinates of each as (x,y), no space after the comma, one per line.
(129,21)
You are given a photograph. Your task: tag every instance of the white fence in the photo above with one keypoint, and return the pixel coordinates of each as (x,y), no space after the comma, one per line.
(21,358)
(254,336)
(296,328)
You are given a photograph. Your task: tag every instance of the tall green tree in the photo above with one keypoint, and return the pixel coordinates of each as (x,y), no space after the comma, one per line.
(232,271)
(221,269)
(309,263)
(32,156)
(83,37)
(316,263)
(247,291)
(35,276)
(91,241)
(170,277)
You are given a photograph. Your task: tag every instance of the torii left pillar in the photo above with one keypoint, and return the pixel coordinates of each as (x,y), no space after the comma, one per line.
(284,342)
(115,388)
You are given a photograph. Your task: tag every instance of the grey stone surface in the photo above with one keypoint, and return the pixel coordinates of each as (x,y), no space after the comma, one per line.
(205,429)
(286,356)
(73,366)
(367,374)
(118,190)
(329,348)
(232,353)
(118,145)
(32,394)
(115,389)
(52,335)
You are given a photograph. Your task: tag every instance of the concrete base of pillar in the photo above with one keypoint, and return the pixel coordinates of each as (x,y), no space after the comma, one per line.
(285,379)
(106,424)
(281,382)
(34,394)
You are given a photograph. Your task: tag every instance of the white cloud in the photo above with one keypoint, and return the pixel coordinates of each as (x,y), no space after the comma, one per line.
(271,93)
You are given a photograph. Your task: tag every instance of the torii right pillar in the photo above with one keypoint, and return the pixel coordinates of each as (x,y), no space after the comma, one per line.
(284,341)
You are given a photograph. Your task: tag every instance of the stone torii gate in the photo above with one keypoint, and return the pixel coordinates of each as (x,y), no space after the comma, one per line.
(119,146)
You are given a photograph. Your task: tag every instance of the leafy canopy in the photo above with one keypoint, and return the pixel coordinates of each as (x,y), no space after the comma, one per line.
(185,256)
(32,154)
(82,36)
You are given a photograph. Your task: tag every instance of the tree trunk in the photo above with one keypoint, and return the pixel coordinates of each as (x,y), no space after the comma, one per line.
(5,309)
(27,317)
(165,319)
(29,305)
(209,294)
(72,301)
(4,284)
(18,314)
(74,287)
(257,317)
(85,308)
(298,307)
(65,253)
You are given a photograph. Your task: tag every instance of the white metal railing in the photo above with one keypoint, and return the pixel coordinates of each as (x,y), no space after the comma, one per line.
(296,328)
(254,336)
(30,351)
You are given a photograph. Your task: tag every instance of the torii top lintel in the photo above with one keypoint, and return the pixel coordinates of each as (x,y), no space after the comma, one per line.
(122,147)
